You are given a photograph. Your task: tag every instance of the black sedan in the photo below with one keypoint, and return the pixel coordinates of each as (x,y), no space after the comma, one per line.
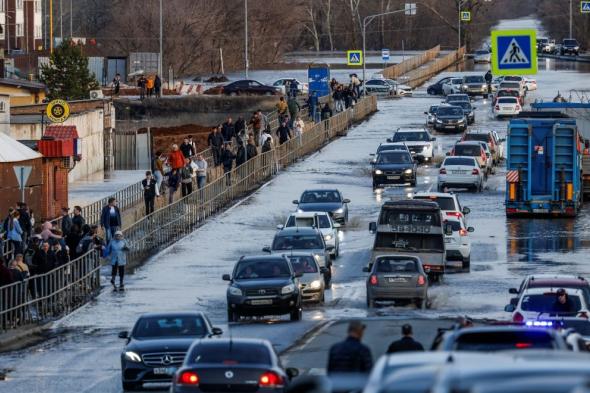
(263,285)
(250,87)
(468,110)
(394,167)
(436,88)
(157,346)
(329,201)
(232,365)
(450,118)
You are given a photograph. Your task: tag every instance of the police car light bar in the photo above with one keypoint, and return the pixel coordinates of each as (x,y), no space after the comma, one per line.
(540,323)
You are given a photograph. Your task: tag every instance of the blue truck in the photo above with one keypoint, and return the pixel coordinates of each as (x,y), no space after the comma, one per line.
(544,165)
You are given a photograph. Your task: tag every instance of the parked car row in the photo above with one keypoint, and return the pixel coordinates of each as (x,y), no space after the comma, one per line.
(568,46)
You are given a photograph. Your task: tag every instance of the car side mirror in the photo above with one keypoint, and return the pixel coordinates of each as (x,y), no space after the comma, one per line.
(124,334)
(366,269)
(323,269)
(509,308)
(346,200)
(425,113)
(448,153)
(330,248)
(389,140)
(372,227)
(433,139)
(216,331)
(513,291)
(295,202)
(292,372)
(266,249)
(470,229)
(373,161)
(448,228)
(466,210)
(226,277)
(279,227)
(298,274)
(336,225)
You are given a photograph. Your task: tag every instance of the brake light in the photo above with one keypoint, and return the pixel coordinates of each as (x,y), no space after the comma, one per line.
(270,380)
(475,171)
(517,107)
(583,314)
(523,345)
(518,317)
(462,232)
(455,214)
(374,280)
(421,280)
(188,378)
(442,171)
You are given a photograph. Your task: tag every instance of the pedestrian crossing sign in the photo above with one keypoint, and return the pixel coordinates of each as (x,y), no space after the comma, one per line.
(465,16)
(354,57)
(514,52)
(585,7)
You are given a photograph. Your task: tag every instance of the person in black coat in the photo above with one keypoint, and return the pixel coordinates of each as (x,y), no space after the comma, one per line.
(215,141)
(406,343)
(187,148)
(251,148)
(66,221)
(173,184)
(283,132)
(240,127)
(228,130)
(227,158)
(73,240)
(240,154)
(351,355)
(110,218)
(78,219)
(149,192)
(24,220)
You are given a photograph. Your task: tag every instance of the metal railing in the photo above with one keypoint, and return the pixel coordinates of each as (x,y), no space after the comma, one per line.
(418,77)
(397,70)
(54,294)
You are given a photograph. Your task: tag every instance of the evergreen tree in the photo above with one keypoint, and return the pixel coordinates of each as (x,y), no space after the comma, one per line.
(67,76)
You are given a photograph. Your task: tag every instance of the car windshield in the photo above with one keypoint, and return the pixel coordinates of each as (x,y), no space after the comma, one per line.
(300,222)
(542,40)
(456,225)
(456,81)
(546,302)
(507,100)
(467,150)
(433,108)
(459,161)
(570,42)
(297,242)
(419,136)
(449,111)
(395,265)
(507,93)
(499,341)
(445,203)
(482,52)
(407,217)
(173,326)
(391,148)
(510,85)
(324,221)
(466,106)
(474,79)
(230,354)
(251,269)
(303,264)
(394,157)
(476,137)
(410,241)
(458,97)
(512,78)
(320,197)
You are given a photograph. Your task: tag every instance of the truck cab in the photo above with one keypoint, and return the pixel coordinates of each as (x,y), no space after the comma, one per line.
(412,227)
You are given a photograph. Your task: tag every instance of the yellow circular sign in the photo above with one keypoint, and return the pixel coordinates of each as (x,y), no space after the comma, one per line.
(58,111)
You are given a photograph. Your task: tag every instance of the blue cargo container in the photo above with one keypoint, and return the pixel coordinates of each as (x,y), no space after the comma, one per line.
(319,79)
(544,166)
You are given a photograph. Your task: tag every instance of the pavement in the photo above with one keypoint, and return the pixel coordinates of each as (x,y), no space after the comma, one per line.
(99,186)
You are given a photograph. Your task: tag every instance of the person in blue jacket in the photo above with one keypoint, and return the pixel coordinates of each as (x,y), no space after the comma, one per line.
(116,252)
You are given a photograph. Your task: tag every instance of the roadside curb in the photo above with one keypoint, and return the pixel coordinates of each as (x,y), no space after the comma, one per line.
(21,338)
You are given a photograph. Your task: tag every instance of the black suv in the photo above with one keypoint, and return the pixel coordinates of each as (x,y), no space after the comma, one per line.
(394,167)
(157,345)
(263,285)
(570,46)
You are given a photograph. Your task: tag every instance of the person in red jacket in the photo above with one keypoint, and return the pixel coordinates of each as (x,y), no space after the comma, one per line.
(176,158)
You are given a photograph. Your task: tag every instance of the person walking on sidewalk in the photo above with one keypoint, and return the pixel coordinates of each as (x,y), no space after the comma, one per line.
(201,164)
(176,158)
(283,132)
(406,343)
(227,158)
(294,109)
(351,355)
(158,168)
(116,251)
(110,218)
(78,219)
(215,141)
(186,178)
(149,192)
(173,184)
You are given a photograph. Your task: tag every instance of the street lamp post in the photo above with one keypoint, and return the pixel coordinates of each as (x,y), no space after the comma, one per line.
(246,36)
(161,57)
(366,21)
(459,29)
(571,17)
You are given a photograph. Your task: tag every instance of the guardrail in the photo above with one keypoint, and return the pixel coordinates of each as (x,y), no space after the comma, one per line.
(397,70)
(62,290)
(420,76)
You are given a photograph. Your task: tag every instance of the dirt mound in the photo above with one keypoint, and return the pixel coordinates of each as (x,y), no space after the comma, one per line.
(164,137)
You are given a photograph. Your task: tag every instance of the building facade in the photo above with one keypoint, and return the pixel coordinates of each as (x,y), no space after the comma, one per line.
(22,25)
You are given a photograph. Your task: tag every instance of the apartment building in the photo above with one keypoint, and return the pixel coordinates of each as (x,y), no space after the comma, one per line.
(22,25)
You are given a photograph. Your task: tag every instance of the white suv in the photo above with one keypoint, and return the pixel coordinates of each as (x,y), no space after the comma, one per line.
(534,302)
(458,244)
(419,142)
(321,221)
(448,203)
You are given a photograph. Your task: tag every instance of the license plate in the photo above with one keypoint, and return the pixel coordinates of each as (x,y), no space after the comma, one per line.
(164,370)
(506,108)
(458,172)
(398,279)
(540,210)
(448,239)
(261,302)
(393,177)
(450,126)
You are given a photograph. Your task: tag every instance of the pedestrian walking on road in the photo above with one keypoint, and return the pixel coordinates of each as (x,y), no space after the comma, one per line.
(173,184)
(351,355)
(406,343)
(489,77)
(283,132)
(201,164)
(142,84)
(157,85)
(110,218)
(186,178)
(227,158)
(149,192)
(116,251)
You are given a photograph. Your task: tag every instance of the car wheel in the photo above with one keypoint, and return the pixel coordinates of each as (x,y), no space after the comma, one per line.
(419,303)
(322,298)
(296,314)
(370,302)
(480,187)
(231,316)
(466,266)
(130,386)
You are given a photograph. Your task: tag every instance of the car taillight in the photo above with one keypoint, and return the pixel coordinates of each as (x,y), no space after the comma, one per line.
(517,317)
(188,378)
(421,280)
(497,107)
(475,171)
(442,171)
(583,314)
(270,380)
(374,280)
(462,232)
(523,345)
(455,214)
(517,107)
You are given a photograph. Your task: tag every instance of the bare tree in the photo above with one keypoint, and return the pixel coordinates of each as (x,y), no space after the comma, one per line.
(328,21)
(311,24)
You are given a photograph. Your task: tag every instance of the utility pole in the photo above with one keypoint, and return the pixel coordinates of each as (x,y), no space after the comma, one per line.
(246,35)
(71,18)
(61,20)
(459,29)
(50,26)
(161,59)
(571,18)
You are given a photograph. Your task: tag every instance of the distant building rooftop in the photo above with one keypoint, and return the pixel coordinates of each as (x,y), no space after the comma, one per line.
(22,83)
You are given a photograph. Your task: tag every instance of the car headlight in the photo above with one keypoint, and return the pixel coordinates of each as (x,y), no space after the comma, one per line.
(461,121)
(300,210)
(577,47)
(328,237)
(340,211)
(318,259)
(484,86)
(378,172)
(439,121)
(132,357)
(315,284)
(235,291)
(465,87)
(288,289)
(408,171)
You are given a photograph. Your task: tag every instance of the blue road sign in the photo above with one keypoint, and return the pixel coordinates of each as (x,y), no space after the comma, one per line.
(514,52)
(385,54)
(354,57)
(585,7)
